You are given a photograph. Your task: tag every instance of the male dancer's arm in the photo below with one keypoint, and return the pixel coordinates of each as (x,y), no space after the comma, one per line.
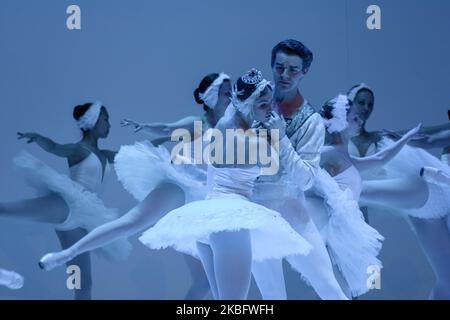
(302,159)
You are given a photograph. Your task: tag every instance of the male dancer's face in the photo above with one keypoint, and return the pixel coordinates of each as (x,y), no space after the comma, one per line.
(287,73)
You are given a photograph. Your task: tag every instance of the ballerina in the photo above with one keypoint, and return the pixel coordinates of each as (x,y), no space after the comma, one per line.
(221,287)
(226,230)
(11,279)
(213,93)
(399,187)
(71,204)
(146,171)
(352,243)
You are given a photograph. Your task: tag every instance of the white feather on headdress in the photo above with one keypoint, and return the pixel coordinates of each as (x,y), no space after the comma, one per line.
(90,117)
(339,120)
(354,91)
(211,95)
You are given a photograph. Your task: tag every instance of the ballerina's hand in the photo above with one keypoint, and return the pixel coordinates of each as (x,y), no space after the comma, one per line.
(276,122)
(130,123)
(30,136)
(414,133)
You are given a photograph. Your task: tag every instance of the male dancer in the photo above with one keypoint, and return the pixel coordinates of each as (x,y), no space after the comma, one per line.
(302,134)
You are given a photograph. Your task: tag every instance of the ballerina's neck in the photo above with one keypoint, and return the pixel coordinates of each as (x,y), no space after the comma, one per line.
(287,106)
(210,118)
(89,139)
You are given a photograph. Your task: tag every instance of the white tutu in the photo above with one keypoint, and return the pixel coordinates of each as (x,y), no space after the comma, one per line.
(445,158)
(142,166)
(182,228)
(435,176)
(353,244)
(408,162)
(86,210)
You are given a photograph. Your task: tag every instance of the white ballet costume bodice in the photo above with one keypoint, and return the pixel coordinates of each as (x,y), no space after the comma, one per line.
(350,179)
(225,182)
(89,173)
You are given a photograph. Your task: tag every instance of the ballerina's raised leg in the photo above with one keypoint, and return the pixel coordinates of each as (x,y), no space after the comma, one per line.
(71,203)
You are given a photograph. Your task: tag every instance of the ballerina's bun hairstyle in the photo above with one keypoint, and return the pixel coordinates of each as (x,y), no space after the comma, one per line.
(207,92)
(202,87)
(293,47)
(86,115)
(326,111)
(80,110)
(334,112)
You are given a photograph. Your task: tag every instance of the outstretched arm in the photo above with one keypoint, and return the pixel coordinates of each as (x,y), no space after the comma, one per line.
(437,140)
(429,129)
(60,150)
(158,141)
(427,138)
(384,156)
(161,129)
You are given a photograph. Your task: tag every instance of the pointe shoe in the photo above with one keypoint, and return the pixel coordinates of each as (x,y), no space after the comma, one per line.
(53,260)
(11,279)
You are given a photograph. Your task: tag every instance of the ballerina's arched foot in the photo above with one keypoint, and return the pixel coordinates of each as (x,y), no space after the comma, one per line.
(53,260)
(11,279)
